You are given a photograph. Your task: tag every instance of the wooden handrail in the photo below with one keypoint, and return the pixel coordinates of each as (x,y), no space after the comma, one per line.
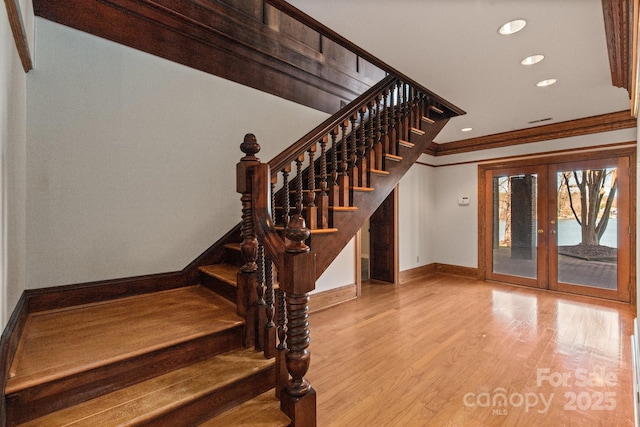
(391,106)
(300,146)
(262,215)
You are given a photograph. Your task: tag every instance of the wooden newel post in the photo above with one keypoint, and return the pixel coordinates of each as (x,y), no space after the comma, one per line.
(246,296)
(298,399)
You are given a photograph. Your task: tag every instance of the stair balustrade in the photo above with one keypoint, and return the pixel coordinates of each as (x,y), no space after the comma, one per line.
(280,270)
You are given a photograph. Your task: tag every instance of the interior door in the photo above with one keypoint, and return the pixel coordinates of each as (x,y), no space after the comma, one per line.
(589,228)
(382,241)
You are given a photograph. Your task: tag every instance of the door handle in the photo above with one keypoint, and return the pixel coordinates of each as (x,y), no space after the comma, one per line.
(540,231)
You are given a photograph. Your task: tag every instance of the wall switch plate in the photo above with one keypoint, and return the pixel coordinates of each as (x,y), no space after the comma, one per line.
(463,201)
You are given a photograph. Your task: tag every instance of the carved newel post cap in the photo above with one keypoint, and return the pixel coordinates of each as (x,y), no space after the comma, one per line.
(250,147)
(296,233)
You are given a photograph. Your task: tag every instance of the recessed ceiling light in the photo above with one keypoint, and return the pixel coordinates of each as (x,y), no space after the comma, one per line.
(533,59)
(466,129)
(512,27)
(545,83)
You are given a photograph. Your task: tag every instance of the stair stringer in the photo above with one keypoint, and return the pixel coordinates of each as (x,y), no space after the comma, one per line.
(328,246)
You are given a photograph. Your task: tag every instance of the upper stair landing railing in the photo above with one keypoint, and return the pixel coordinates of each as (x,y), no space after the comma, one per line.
(331,164)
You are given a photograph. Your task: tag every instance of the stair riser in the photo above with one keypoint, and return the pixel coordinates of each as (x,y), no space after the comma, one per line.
(220,287)
(37,401)
(234,257)
(221,400)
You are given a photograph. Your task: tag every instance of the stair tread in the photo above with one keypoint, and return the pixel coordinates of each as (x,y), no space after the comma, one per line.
(393,157)
(407,143)
(343,208)
(226,272)
(364,189)
(313,230)
(263,410)
(378,172)
(58,343)
(142,401)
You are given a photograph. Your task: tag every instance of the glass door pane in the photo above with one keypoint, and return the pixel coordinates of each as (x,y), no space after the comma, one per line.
(587,232)
(515,225)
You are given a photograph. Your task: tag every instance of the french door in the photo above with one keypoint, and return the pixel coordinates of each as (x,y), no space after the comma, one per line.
(561,225)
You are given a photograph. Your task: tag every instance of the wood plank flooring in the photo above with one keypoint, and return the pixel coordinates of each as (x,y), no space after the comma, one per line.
(58,343)
(442,351)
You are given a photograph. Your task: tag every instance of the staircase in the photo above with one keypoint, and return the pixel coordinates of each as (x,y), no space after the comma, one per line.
(230,346)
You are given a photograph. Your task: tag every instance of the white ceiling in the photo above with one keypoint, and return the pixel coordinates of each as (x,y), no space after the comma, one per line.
(452,47)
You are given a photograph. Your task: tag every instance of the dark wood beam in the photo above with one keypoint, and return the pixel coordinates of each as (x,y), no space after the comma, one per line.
(268,53)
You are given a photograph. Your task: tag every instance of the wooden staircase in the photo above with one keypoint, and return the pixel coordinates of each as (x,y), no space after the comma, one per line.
(164,358)
(230,345)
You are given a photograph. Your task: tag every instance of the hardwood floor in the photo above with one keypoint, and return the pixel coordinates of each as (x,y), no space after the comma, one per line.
(442,351)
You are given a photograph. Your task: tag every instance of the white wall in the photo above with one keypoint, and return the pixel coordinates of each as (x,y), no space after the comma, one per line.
(341,272)
(456,232)
(131,158)
(417,216)
(12,163)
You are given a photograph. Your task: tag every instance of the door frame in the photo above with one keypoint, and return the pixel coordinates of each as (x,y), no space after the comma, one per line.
(551,160)
(391,253)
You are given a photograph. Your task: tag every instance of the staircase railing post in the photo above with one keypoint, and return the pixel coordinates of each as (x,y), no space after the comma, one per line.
(298,278)
(247,277)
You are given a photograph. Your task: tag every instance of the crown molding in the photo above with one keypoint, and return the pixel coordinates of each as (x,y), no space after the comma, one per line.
(585,126)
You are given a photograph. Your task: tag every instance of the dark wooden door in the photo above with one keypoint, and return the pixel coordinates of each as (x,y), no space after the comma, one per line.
(382,242)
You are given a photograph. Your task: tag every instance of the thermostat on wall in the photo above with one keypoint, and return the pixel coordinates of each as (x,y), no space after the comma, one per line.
(463,201)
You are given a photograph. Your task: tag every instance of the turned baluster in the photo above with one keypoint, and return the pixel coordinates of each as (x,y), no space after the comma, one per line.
(392,120)
(270,326)
(323,197)
(371,138)
(401,114)
(422,111)
(426,111)
(353,153)
(334,187)
(286,202)
(412,107)
(261,318)
(378,144)
(282,376)
(343,177)
(296,221)
(406,110)
(312,209)
(362,149)
(410,100)
(417,109)
(386,126)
